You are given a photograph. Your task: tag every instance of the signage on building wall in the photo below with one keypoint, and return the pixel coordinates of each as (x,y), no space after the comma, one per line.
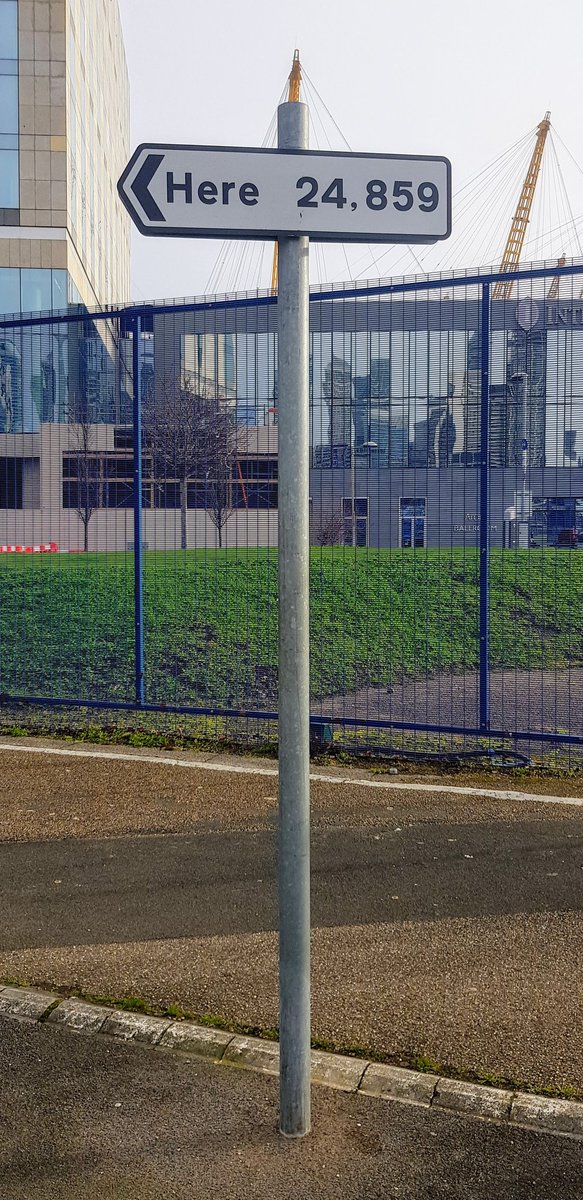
(551,315)
(569,315)
(527,313)
(211,191)
(471,524)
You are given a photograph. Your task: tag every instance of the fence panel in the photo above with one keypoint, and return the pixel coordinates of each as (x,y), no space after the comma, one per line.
(138,516)
(396,457)
(67,586)
(536,461)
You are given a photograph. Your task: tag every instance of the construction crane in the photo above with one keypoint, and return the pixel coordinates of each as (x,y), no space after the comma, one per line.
(293,95)
(513,248)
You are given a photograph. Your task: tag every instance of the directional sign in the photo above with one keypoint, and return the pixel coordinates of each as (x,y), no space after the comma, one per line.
(226,192)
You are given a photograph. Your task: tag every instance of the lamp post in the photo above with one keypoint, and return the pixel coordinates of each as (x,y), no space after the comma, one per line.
(523,499)
(524,440)
(365,446)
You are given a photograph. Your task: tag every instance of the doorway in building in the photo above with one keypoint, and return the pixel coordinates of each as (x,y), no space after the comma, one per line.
(412,522)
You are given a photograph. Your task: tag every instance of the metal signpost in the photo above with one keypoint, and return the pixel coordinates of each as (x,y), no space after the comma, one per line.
(291,194)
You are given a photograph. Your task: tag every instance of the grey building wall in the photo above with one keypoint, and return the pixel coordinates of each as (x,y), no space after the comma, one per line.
(452,499)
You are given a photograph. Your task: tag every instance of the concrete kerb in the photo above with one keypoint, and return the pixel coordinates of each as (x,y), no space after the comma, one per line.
(563,1118)
(25,1004)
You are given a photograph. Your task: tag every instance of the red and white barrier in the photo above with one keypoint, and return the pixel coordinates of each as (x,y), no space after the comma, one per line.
(46,548)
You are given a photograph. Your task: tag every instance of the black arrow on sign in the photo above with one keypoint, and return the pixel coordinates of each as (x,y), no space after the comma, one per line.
(141,184)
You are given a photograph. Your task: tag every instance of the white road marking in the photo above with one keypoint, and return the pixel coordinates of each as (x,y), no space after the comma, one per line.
(271,772)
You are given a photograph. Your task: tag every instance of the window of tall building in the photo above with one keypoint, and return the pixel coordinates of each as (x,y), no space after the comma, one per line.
(9,290)
(34,289)
(9,188)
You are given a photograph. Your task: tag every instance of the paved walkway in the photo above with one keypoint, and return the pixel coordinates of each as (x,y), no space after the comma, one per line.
(543,700)
(84,1117)
(445,926)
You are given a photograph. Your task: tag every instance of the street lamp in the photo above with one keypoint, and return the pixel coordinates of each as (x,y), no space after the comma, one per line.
(523,499)
(365,446)
(524,440)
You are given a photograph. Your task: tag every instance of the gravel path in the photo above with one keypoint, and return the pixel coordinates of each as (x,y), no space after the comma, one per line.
(540,700)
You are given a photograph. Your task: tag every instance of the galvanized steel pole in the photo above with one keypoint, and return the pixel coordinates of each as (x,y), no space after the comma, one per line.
(294,695)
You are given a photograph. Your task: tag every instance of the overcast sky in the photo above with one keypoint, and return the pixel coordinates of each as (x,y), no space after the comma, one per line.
(460,78)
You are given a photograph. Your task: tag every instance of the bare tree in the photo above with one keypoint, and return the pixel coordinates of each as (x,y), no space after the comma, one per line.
(328,529)
(218,493)
(191,437)
(85,484)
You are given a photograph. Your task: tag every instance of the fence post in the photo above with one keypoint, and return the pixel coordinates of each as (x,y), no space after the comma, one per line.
(485,512)
(138,549)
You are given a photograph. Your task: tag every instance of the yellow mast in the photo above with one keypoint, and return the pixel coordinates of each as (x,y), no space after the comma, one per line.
(554,288)
(293,95)
(513,248)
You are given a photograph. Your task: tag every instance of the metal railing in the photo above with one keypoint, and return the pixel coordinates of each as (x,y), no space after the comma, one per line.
(446,511)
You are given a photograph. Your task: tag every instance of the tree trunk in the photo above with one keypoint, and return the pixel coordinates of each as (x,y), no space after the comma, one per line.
(183,528)
(86,535)
(220,533)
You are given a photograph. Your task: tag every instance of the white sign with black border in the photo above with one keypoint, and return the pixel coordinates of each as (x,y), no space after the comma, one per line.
(234,192)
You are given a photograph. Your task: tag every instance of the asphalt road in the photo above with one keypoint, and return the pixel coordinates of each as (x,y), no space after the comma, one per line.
(89,1117)
(446,927)
(214,884)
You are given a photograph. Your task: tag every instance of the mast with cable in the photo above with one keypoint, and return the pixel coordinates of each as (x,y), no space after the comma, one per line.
(513,249)
(554,288)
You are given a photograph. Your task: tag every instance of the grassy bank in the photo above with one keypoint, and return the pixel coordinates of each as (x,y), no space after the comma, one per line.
(378,616)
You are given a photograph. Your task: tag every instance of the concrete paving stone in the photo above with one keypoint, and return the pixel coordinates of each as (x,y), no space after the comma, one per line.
(473,1099)
(253,1053)
(199,1040)
(136,1027)
(395,1083)
(80,1016)
(336,1070)
(25,1003)
(545,1113)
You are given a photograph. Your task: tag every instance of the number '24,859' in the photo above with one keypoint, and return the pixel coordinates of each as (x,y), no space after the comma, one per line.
(403,197)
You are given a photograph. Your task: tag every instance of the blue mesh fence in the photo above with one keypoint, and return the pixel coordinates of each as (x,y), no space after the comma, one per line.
(138,516)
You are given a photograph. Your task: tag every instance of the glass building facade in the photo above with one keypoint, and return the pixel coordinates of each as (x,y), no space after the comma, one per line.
(396,408)
(64,140)
(9,125)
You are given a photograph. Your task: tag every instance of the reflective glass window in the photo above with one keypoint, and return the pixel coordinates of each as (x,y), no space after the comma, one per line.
(8,29)
(8,103)
(8,178)
(36,290)
(59,290)
(9,289)
(412,506)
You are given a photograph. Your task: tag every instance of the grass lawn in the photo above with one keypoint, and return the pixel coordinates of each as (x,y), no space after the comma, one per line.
(378,616)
